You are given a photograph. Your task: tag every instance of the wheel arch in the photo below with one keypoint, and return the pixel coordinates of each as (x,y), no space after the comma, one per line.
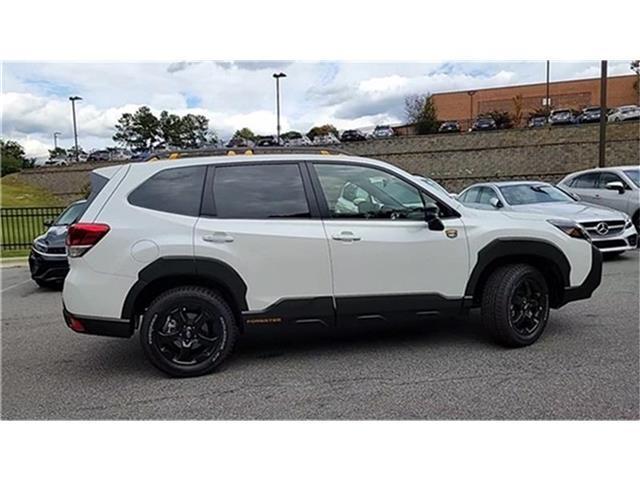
(170,272)
(543,255)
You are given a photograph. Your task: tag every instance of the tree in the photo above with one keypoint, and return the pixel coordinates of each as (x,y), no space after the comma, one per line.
(170,126)
(291,134)
(12,157)
(194,130)
(518,104)
(57,152)
(322,130)
(539,112)
(245,133)
(420,110)
(140,130)
(635,66)
(503,119)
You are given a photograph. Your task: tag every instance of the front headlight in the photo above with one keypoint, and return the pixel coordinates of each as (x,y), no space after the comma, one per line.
(570,228)
(40,246)
(627,222)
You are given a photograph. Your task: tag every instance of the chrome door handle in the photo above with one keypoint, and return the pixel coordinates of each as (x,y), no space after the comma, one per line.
(218,237)
(346,237)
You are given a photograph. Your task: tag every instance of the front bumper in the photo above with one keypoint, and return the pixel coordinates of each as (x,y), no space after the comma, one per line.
(48,267)
(586,289)
(627,240)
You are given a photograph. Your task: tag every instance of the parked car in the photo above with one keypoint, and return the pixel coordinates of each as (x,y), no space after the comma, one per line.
(609,230)
(99,156)
(297,140)
(140,156)
(239,142)
(449,127)
(383,131)
(267,141)
(628,112)
(196,252)
(48,258)
(483,123)
(562,116)
(613,187)
(535,122)
(352,136)
(590,115)
(326,139)
(57,162)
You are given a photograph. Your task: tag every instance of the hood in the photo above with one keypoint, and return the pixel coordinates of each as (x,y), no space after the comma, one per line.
(54,237)
(577,211)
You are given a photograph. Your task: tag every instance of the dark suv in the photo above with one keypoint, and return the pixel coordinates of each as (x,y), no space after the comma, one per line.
(352,136)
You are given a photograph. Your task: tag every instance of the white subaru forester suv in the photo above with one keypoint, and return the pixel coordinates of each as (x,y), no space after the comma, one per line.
(196,251)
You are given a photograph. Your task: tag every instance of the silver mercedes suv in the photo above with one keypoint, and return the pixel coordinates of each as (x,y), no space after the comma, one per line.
(613,187)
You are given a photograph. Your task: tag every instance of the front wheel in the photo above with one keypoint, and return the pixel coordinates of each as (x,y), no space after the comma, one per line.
(188,331)
(515,305)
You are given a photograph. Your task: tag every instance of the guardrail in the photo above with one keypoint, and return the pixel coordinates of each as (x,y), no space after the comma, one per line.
(22,224)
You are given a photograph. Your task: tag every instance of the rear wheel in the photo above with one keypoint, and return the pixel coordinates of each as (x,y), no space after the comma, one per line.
(515,305)
(188,331)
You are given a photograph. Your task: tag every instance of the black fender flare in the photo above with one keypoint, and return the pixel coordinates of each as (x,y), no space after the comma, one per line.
(207,270)
(502,249)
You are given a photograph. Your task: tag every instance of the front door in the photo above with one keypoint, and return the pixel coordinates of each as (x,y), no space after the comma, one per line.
(387,264)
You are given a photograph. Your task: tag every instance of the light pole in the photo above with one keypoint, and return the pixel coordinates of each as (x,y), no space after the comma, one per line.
(471,93)
(635,66)
(547,99)
(74,99)
(278,76)
(603,113)
(55,141)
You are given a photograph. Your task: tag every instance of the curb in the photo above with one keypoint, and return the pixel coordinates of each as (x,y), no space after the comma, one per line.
(14,262)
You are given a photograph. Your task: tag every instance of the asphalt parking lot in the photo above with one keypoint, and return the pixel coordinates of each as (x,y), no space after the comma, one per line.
(586,366)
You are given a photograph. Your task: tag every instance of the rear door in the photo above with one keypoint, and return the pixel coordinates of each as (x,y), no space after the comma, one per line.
(584,186)
(386,262)
(262,220)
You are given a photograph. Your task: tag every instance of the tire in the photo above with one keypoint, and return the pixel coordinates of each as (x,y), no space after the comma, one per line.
(509,314)
(188,331)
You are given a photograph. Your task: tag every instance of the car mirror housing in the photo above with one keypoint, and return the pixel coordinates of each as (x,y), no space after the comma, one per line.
(431,217)
(496,203)
(616,186)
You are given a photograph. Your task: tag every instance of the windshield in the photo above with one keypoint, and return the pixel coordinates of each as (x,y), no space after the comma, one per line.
(533,193)
(561,112)
(435,185)
(71,214)
(634,175)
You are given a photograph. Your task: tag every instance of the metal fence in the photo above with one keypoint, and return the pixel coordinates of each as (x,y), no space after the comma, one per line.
(21,225)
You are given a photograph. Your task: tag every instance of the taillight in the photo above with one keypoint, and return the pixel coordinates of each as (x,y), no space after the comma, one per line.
(82,236)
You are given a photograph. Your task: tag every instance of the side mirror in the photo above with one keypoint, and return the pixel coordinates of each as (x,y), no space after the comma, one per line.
(616,186)
(47,223)
(496,203)
(432,219)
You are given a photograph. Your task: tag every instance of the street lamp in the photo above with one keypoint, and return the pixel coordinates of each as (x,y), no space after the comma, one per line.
(278,76)
(73,100)
(471,93)
(55,141)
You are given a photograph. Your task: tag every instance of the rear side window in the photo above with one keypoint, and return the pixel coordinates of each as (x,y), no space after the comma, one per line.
(260,191)
(176,190)
(588,180)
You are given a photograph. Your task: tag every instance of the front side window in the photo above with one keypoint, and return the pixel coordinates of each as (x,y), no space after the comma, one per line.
(260,192)
(470,196)
(353,191)
(175,190)
(608,177)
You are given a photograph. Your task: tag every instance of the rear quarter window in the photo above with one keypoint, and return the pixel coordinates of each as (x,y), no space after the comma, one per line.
(175,190)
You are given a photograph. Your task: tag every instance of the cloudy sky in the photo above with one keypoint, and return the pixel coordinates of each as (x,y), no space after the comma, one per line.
(34,97)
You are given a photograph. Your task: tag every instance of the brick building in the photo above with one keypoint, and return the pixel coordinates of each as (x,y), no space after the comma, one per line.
(574,94)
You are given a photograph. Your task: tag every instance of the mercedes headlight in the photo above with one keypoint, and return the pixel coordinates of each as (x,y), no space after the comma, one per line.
(570,228)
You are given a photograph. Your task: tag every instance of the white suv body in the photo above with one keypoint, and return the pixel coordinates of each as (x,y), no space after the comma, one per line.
(260,242)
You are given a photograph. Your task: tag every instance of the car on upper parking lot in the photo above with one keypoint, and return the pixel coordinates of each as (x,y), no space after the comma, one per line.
(383,131)
(613,187)
(325,139)
(48,258)
(562,116)
(610,230)
(295,139)
(449,127)
(267,141)
(620,114)
(196,252)
(483,123)
(535,122)
(589,115)
(352,136)
(239,142)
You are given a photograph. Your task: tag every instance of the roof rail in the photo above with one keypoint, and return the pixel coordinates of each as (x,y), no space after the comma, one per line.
(210,152)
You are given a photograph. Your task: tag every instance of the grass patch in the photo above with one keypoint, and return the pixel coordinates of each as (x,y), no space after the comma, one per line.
(14,253)
(17,194)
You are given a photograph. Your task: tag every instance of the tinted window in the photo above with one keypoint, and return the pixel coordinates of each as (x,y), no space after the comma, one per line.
(536,193)
(470,196)
(177,190)
(71,214)
(606,177)
(588,180)
(260,191)
(634,175)
(486,194)
(353,191)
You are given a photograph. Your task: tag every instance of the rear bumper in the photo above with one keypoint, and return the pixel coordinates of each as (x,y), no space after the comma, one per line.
(98,326)
(586,289)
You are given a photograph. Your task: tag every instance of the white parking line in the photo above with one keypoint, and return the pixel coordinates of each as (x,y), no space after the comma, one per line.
(14,286)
